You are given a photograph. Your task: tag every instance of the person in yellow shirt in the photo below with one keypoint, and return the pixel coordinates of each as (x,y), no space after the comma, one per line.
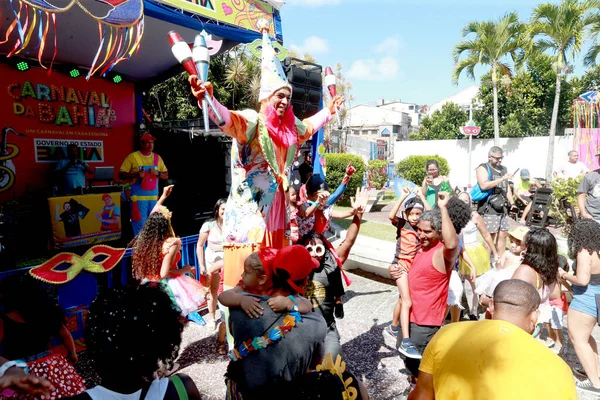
(142,169)
(495,359)
(523,193)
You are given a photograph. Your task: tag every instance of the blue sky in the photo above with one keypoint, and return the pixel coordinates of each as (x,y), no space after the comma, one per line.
(395,49)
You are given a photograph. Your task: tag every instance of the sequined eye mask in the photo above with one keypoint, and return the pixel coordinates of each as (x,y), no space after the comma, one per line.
(64,267)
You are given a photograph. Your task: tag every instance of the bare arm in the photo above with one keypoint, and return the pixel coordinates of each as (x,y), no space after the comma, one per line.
(342,214)
(305,210)
(124,175)
(485,234)
(166,192)
(235,298)
(200,251)
(424,388)
(583,274)
(581,198)
(424,187)
(449,236)
(67,339)
(358,204)
(485,183)
(509,195)
(392,216)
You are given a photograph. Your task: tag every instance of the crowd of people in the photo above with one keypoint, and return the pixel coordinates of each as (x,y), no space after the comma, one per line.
(273,284)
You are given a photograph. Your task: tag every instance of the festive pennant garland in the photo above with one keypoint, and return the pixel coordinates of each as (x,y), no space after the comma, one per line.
(120,30)
(51,270)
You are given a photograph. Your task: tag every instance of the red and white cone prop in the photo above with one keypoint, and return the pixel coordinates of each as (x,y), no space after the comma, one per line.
(182,52)
(331,86)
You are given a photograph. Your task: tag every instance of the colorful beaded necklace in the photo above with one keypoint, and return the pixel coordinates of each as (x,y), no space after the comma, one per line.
(274,334)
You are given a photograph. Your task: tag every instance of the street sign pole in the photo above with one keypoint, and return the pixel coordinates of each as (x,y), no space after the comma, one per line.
(470,130)
(470,144)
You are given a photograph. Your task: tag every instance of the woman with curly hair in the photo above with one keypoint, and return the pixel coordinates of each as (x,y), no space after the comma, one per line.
(540,268)
(156,252)
(132,334)
(583,312)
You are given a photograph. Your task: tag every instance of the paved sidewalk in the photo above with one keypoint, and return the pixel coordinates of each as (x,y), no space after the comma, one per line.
(369,353)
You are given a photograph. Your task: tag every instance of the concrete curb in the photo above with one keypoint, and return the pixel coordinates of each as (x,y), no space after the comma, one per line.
(369,254)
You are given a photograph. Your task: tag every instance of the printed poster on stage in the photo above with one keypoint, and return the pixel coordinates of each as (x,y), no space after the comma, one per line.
(242,13)
(42,114)
(85,220)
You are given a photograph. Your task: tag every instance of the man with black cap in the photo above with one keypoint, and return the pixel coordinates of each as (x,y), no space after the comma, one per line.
(524,194)
(142,169)
(588,194)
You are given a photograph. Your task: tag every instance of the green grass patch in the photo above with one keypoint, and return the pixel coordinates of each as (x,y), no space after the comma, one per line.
(372,229)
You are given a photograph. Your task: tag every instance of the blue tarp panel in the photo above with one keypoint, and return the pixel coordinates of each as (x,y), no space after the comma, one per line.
(168,14)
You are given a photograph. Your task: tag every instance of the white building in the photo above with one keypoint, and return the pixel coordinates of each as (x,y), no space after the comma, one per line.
(376,122)
(412,109)
(462,98)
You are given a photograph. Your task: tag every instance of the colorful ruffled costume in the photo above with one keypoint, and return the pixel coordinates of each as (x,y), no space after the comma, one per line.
(263,151)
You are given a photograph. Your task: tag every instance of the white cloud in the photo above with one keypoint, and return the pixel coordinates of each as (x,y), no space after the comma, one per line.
(389,45)
(313,45)
(374,70)
(312,3)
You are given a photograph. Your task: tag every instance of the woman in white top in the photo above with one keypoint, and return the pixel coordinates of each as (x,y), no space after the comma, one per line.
(211,257)
(130,333)
(478,254)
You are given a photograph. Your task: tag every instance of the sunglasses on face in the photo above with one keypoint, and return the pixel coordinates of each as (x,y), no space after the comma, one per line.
(316,249)
(497,158)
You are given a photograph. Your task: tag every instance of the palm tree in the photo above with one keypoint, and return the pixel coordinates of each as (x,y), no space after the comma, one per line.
(561,29)
(236,76)
(493,43)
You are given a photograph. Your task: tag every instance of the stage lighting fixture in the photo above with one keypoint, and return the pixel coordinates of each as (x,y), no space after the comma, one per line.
(22,66)
(74,73)
(117,79)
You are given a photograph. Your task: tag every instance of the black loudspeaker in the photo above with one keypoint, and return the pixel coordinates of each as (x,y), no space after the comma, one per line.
(307,83)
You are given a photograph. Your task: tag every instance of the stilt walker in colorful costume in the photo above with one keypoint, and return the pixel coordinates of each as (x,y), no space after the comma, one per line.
(265,146)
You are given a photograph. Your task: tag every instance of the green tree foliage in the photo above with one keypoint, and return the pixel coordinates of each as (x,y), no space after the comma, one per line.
(412,168)
(442,124)
(377,175)
(490,43)
(560,29)
(336,170)
(564,189)
(525,102)
(235,83)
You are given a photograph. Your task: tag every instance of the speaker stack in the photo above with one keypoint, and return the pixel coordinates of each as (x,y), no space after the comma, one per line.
(307,83)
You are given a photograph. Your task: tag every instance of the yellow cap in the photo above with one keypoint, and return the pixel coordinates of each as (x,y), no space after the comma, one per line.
(519,232)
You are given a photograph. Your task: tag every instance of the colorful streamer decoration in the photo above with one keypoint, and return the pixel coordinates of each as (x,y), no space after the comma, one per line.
(120,30)
(63,267)
(586,113)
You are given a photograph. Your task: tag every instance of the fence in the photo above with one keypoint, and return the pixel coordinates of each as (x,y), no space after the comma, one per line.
(74,297)
(526,153)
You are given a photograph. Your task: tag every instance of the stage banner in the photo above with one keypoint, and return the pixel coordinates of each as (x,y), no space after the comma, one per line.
(86,219)
(242,13)
(42,115)
(587,143)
